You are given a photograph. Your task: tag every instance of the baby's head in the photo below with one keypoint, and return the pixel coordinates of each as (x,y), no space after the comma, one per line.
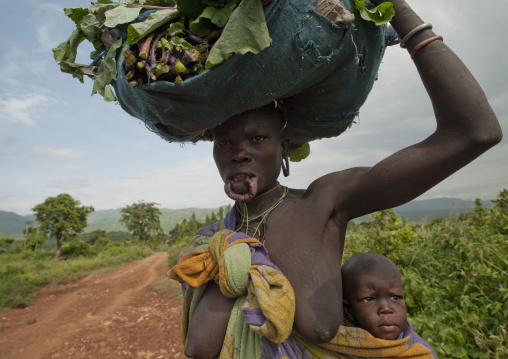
(373,296)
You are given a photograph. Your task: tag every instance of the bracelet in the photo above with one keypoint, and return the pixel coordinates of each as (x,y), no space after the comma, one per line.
(413,32)
(425,42)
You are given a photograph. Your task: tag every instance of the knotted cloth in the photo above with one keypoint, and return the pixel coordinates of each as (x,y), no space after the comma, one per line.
(240,266)
(261,321)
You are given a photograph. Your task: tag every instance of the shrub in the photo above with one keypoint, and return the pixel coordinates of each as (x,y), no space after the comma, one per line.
(76,248)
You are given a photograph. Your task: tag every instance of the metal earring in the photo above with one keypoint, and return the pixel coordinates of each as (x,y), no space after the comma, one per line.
(285,166)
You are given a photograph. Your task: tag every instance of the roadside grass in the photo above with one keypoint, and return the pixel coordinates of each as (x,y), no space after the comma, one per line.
(169,286)
(23,274)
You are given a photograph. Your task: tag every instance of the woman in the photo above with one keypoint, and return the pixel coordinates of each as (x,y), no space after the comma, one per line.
(304,230)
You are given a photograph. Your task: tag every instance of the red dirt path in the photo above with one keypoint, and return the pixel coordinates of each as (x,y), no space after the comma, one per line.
(112,315)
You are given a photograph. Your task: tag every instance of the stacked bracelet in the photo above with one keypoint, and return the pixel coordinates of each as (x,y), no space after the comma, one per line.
(425,42)
(413,32)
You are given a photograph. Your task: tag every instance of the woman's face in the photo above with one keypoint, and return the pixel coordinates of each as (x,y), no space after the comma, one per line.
(248,151)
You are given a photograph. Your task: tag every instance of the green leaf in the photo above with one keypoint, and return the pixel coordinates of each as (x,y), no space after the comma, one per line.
(202,26)
(109,95)
(68,50)
(246,31)
(176,28)
(300,153)
(380,15)
(219,16)
(121,15)
(180,43)
(190,8)
(90,27)
(78,70)
(76,14)
(137,31)
(107,73)
(217,3)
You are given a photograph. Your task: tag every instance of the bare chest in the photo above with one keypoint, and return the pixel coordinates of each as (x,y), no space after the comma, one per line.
(306,244)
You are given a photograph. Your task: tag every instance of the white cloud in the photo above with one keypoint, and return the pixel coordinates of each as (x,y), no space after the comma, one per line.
(55,152)
(23,108)
(44,36)
(46,24)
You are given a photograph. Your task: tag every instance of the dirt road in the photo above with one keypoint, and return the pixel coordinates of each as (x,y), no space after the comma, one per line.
(133,312)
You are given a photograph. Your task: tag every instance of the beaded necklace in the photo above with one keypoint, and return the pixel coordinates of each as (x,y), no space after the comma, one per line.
(244,216)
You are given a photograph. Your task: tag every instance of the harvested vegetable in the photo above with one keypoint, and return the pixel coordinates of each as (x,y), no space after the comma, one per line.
(149,50)
(161,40)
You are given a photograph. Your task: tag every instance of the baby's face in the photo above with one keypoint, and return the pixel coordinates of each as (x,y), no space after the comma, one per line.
(376,301)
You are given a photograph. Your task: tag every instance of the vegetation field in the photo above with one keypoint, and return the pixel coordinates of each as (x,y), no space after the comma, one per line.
(455,276)
(455,271)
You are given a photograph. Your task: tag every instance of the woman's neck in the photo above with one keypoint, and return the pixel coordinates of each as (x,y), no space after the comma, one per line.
(263,201)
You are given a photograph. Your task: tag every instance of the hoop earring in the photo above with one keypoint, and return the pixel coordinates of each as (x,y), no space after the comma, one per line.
(285,166)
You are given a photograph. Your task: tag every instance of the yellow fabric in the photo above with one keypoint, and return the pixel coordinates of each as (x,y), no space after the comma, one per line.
(199,267)
(269,289)
(351,343)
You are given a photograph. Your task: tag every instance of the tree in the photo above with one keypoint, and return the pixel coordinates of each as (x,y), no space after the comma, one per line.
(61,217)
(97,235)
(142,219)
(33,237)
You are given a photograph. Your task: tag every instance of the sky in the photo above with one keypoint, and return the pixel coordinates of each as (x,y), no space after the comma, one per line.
(57,138)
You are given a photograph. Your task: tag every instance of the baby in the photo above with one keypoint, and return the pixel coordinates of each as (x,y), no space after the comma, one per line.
(374,299)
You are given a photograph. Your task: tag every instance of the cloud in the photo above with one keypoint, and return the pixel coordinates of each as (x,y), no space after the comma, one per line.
(55,152)
(69,184)
(44,36)
(22,108)
(64,167)
(47,26)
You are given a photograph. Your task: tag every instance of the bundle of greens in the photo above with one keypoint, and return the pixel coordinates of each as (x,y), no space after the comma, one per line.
(160,39)
(169,40)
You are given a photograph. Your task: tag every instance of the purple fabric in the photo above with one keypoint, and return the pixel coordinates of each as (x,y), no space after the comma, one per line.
(415,338)
(291,348)
(259,256)
(254,316)
(237,235)
(230,219)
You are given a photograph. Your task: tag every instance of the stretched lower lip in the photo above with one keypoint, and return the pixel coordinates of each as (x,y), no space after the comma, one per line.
(241,187)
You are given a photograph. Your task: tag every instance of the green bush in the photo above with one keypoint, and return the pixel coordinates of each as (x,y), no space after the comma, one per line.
(76,248)
(455,276)
(176,247)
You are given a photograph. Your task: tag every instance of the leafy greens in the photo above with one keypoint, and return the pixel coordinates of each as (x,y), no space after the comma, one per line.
(109,25)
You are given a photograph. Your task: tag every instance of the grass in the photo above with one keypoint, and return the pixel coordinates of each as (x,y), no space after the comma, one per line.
(23,274)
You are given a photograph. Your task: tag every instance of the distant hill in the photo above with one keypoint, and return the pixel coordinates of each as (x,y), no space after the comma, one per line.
(428,209)
(110,219)
(13,224)
(418,211)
